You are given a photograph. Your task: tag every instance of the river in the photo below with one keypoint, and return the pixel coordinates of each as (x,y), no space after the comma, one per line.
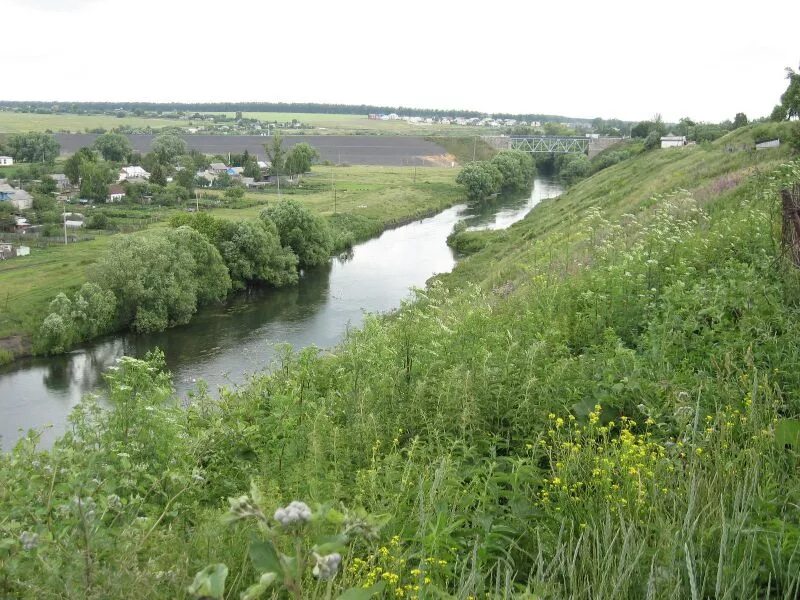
(225,344)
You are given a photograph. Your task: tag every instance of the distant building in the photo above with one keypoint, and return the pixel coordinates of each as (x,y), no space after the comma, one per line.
(6,161)
(673,141)
(217,168)
(62,181)
(10,251)
(132,173)
(768,144)
(115,193)
(19,199)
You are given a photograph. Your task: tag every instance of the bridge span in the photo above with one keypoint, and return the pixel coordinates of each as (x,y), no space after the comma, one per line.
(548,144)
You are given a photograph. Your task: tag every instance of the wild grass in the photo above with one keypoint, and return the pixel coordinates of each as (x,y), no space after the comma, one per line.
(620,421)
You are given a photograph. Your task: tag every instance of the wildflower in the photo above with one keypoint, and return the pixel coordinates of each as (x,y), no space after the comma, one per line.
(242,507)
(114,502)
(29,540)
(326,565)
(559,422)
(296,512)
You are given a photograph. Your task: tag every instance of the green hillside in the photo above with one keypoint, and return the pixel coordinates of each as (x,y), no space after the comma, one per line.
(601,403)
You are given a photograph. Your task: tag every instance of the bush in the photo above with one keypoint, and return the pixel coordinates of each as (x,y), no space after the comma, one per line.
(307,234)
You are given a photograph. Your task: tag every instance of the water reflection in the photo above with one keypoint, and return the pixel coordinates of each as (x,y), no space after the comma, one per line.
(224,344)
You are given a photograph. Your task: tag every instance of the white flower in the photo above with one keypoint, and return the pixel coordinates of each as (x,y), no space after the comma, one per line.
(327,565)
(296,512)
(29,540)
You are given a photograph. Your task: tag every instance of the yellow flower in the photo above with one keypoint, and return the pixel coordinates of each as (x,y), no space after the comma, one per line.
(559,422)
(551,416)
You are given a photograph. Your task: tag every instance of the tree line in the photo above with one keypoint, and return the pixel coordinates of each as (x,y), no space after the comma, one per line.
(281,107)
(153,280)
(507,171)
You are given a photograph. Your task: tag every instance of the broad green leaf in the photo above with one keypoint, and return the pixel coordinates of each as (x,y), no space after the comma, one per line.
(331,543)
(787,433)
(210,582)
(362,593)
(265,558)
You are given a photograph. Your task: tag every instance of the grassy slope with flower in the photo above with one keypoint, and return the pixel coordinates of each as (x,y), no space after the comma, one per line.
(602,403)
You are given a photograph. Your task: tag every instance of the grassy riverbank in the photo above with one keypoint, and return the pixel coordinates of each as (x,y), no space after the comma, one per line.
(600,403)
(368,200)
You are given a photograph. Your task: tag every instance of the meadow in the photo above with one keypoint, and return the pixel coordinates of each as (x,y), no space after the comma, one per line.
(17,122)
(601,403)
(321,124)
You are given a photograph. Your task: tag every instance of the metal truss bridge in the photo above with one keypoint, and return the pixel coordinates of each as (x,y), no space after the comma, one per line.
(541,144)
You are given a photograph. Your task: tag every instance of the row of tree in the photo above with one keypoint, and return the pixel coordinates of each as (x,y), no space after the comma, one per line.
(279,107)
(507,171)
(154,280)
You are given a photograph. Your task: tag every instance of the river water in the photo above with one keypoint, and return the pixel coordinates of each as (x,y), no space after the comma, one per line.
(223,345)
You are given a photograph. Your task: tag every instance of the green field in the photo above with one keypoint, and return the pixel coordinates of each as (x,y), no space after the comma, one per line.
(355,124)
(368,199)
(14,122)
(334,124)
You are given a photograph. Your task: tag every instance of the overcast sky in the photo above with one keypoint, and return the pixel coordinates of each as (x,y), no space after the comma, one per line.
(706,59)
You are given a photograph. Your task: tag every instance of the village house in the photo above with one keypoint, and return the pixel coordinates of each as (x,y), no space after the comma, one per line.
(115,193)
(6,161)
(62,181)
(673,141)
(133,174)
(19,199)
(217,167)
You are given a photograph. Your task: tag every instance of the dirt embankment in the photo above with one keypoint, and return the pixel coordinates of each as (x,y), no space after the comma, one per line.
(14,346)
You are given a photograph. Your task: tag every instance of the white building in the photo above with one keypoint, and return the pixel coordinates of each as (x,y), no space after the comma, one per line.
(768,144)
(6,161)
(132,172)
(115,193)
(20,199)
(673,141)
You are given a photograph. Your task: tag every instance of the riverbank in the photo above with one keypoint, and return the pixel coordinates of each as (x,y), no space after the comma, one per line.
(365,201)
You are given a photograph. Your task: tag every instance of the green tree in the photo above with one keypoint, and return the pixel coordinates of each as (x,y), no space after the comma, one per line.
(113,146)
(516,168)
(210,273)
(95,178)
(790,99)
(157,175)
(90,312)
(740,120)
(185,178)
(480,180)
(307,234)
(234,194)
(167,147)
(276,154)
(254,254)
(72,166)
(33,147)
(152,278)
(299,159)
(653,140)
